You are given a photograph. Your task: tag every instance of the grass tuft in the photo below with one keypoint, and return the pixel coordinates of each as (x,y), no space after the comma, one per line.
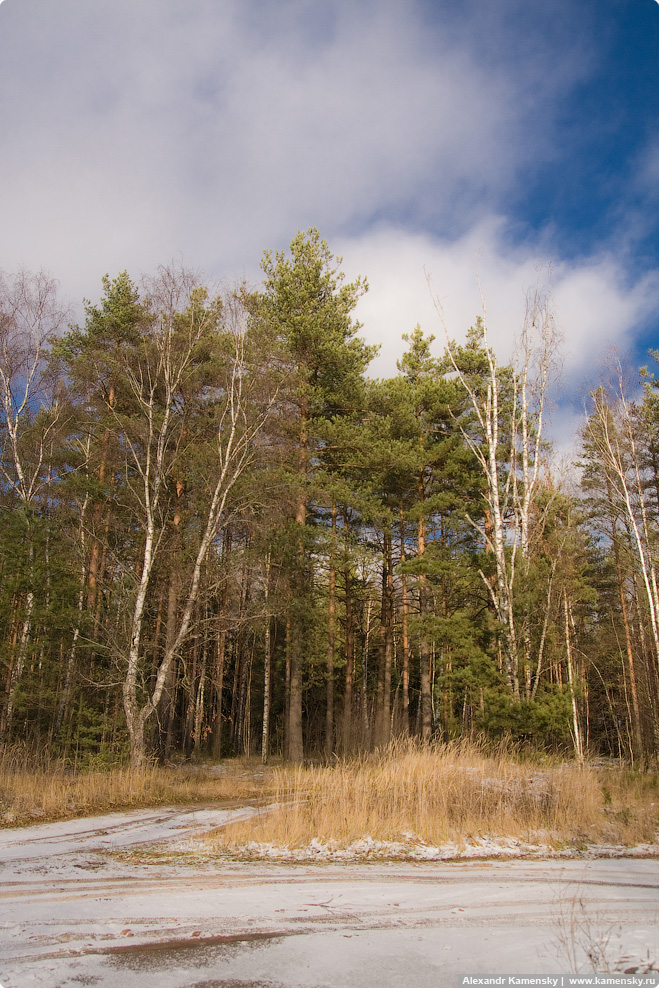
(453,792)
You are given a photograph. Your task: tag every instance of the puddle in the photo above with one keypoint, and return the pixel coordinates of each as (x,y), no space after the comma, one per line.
(237,984)
(170,955)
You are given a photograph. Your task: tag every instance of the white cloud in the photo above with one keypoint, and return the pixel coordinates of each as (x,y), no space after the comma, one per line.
(596,305)
(133,132)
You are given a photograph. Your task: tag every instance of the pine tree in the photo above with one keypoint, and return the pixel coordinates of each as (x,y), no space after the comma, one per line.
(308,306)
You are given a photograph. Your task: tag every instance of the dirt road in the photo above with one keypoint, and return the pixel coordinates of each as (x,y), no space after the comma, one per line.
(126,900)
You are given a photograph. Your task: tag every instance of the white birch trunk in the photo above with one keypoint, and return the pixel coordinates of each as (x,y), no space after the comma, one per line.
(578,743)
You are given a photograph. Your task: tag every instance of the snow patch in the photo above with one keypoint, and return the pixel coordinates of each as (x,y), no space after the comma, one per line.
(414,848)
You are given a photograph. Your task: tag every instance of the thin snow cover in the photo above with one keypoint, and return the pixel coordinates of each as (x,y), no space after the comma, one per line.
(145,900)
(114,830)
(413,848)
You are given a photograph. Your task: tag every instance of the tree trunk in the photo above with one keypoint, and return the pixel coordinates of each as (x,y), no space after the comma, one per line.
(21,655)
(578,743)
(405,715)
(295,747)
(220,662)
(350,664)
(200,699)
(331,641)
(267,660)
(295,743)
(386,647)
(636,714)
(424,644)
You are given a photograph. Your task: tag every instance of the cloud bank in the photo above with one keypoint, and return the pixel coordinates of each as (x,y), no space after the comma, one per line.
(414,135)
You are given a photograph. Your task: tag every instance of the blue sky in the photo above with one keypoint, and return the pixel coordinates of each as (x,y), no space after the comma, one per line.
(459,139)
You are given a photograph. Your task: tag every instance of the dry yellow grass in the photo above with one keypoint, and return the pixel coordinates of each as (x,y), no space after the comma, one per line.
(438,793)
(453,792)
(50,791)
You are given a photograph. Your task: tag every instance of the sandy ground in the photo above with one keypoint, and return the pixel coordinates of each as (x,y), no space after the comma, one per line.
(132,899)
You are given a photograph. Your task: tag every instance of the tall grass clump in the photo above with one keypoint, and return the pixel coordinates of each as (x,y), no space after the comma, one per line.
(36,788)
(451,792)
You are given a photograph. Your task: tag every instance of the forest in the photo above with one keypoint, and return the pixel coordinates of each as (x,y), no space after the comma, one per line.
(220,536)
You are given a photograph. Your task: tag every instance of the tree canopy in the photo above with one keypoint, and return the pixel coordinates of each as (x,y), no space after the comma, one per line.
(219,535)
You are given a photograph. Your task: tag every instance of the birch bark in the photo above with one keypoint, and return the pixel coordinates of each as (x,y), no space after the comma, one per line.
(507,407)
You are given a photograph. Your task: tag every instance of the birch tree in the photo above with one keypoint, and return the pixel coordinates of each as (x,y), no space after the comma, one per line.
(31,316)
(612,437)
(239,416)
(503,424)
(184,411)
